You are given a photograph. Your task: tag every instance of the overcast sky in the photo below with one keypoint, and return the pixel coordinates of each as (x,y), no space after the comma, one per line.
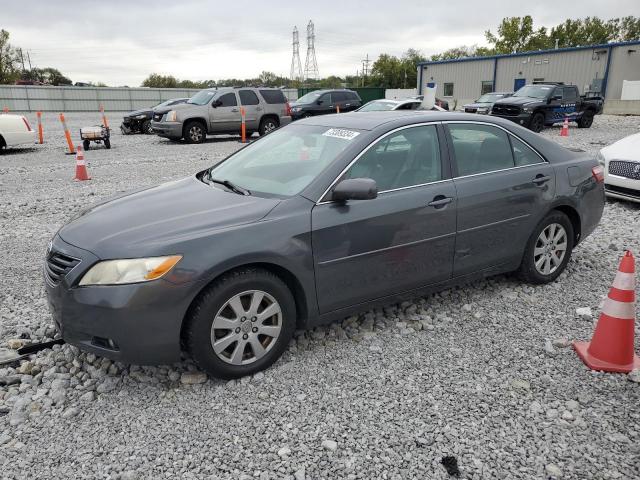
(120,42)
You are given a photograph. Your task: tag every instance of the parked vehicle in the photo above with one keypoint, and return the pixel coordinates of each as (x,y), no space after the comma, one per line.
(139,121)
(621,163)
(98,134)
(485,102)
(15,130)
(544,104)
(387,105)
(322,102)
(316,221)
(217,111)
(439,102)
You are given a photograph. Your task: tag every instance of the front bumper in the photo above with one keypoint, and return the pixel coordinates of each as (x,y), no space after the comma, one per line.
(135,323)
(168,129)
(521,119)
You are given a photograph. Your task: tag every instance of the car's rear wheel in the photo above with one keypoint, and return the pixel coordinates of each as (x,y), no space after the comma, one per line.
(267,125)
(586,120)
(548,250)
(194,132)
(241,324)
(86,144)
(107,143)
(537,122)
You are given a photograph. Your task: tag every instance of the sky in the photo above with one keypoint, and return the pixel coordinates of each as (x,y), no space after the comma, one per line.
(121,42)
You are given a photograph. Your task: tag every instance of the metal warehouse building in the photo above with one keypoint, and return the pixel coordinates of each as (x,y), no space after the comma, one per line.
(594,68)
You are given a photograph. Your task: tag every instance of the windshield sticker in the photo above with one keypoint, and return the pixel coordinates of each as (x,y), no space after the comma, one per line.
(341,133)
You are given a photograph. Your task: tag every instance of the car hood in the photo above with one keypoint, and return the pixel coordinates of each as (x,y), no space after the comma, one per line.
(296,104)
(145,111)
(478,105)
(626,149)
(520,101)
(150,221)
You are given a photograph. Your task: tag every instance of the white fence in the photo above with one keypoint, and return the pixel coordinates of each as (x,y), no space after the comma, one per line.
(30,98)
(399,93)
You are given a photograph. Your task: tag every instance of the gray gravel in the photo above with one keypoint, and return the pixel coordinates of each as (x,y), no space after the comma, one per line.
(483,373)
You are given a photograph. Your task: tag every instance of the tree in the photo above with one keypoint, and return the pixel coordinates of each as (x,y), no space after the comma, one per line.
(628,29)
(9,69)
(516,34)
(48,75)
(155,80)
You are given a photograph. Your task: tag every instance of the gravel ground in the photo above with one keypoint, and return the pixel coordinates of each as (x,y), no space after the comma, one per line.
(482,374)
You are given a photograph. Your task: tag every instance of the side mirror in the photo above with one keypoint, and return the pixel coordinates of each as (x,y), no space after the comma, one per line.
(319,102)
(355,189)
(216,103)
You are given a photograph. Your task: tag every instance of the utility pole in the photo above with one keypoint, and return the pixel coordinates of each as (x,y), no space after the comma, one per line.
(365,68)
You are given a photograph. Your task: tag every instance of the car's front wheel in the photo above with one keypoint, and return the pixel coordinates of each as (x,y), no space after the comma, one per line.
(194,132)
(241,324)
(146,127)
(548,250)
(537,122)
(586,120)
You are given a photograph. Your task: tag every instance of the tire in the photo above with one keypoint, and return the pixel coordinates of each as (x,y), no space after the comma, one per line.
(538,255)
(586,120)
(267,125)
(194,132)
(211,314)
(107,143)
(146,127)
(3,145)
(536,124)
(86,144)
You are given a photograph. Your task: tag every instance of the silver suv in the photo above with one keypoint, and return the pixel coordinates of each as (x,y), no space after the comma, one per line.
(217,111)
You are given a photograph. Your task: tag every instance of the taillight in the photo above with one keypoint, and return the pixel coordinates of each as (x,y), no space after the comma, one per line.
(287,109)
(598,173)
(26,122)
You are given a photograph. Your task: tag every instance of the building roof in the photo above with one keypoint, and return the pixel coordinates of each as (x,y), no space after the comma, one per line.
(534,52)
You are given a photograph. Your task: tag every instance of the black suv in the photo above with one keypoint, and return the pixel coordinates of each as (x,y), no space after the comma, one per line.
(321,102)
(543,104)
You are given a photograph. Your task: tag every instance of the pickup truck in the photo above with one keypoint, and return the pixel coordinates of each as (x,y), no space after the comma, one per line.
(538,105)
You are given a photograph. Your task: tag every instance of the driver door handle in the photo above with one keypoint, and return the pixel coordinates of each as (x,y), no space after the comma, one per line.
(440,201)
(235,110)
(541,179)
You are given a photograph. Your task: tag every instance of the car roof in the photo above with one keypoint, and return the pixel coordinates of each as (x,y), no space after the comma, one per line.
(392,119)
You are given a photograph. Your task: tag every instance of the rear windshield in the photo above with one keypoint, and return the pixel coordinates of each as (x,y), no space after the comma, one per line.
(273,96)
(377,106)
(284,162)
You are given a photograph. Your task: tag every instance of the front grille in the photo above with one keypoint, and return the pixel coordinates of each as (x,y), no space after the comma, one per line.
(506,110)
(58,265)
(470,110)
(622,191)
(625,169)
(157,117)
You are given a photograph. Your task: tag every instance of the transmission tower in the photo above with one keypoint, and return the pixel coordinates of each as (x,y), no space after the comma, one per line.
(296,66)
(311,64)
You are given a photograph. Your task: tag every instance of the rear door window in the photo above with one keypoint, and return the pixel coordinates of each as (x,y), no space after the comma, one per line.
(569,94)
(522,154)
(480,148)
(248,97)
(326,99)
(338,96)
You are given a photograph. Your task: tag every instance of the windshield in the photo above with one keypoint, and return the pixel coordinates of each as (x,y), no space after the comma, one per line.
(202,97)
(533,91)
(284,162)
(490,97)
(309,97)
(376,106)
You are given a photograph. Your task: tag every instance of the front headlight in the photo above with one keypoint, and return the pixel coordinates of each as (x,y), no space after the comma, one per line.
(482,110)
(600,158)
(527,109)
(134,270)
(295,109)
(140,117)
(171,116)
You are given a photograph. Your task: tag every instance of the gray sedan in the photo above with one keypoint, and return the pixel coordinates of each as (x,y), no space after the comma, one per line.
(316,221)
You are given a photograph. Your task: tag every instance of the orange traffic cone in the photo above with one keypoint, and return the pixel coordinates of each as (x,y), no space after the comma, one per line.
(565,128)
(611,348)
(81,166)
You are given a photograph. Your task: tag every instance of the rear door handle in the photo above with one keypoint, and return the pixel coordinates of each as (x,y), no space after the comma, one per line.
(259,109)
(440,201)
(541,179)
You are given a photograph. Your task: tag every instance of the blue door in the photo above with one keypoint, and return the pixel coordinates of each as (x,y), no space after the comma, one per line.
(518,83)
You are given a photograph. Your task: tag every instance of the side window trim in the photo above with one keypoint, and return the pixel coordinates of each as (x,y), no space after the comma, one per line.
(452,156)
(444,160)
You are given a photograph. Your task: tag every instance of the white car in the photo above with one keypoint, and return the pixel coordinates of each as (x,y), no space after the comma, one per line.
(15,130)
(621,162)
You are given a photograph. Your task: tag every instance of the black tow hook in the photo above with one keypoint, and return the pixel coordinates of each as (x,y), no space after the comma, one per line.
(24,352)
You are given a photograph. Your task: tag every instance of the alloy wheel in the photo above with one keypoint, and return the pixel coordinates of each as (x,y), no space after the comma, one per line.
(246,327)
(269,127)
(195,133)
(550,249)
